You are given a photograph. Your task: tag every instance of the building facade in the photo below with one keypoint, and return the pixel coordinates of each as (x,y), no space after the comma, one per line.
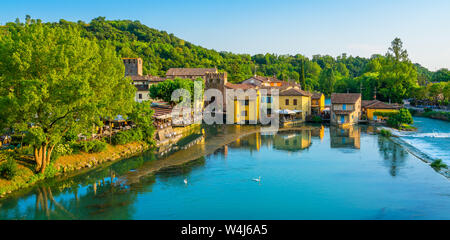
(369,108)
(317,103)
(263,81)
(133,66)
(345,108)
(294,99)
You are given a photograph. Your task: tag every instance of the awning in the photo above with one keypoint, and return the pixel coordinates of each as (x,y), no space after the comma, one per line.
(286,112)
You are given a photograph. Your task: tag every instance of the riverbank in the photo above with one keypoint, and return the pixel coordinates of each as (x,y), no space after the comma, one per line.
(444,116)
(26,176)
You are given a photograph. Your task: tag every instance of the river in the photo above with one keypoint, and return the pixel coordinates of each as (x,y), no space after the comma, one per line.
(311,172)
(431,139)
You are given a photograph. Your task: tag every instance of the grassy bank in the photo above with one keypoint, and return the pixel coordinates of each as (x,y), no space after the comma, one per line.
(445,116)
(26,177)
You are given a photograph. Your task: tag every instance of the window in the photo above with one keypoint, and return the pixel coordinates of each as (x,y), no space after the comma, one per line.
(269,99)
(295,101)
(244,114)
(140,95)
(246,102)
(269,111)
(287,101)
(344,107)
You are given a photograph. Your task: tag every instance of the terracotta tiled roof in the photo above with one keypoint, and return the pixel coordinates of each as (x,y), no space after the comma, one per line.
(190,71)
(365,103)
(265,79)
(380,105)
(162,111)
(316,95)
(345,97)
(147,78)
(239,86)
(294,92)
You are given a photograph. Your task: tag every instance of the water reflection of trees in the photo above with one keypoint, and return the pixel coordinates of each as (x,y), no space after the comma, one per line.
(97,194)
(393,154)
(184,169)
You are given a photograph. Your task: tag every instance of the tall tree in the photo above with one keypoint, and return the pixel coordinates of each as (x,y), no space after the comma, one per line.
(54,80)
(302,76)
(327,80)
(396,51)
(398,76)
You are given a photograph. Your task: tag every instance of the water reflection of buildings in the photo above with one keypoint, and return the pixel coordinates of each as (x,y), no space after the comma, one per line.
(318,132)
(283,140)
(292,140)
(345,137)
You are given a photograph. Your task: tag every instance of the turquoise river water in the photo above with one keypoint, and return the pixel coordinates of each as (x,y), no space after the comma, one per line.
(310,172)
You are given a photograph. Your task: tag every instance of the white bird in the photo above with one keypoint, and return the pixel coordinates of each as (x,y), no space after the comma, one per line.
(257,179)
(185,181)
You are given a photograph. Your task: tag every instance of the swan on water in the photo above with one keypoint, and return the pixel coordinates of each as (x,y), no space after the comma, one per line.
(257,179)
(185,181)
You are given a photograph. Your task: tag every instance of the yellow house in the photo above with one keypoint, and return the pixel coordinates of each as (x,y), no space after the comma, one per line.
(294,99)
(246,107)
(317,103)
(372,106)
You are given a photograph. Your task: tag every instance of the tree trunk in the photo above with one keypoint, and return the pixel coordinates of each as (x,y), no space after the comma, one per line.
(42,157)
(38,158)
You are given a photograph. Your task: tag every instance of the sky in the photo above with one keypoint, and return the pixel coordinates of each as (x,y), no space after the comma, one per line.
(358,28)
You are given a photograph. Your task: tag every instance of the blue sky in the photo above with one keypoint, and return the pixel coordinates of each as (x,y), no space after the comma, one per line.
(358,28)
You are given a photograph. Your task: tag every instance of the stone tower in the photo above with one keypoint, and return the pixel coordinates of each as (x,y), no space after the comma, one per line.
(216,81)
(133,66)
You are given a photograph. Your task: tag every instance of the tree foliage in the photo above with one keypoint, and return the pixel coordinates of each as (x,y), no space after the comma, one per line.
(55,80)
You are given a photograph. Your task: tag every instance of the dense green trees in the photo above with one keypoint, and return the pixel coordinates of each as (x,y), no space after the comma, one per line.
(164,90)
(391,75)
(54,80)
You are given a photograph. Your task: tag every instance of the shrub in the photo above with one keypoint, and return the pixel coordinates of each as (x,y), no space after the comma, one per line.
(438,164)
(89,146)
(385,133)
(9,169)
(403,116)
(128,136)
(316,119)
(428,110)
(63,149)
(98,146)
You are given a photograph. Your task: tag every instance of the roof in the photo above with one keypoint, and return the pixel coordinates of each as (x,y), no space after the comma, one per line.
(162,112)
(147,78)
(190,71)
(294,92)
(142,87)
(239,86)
(264,79)
(365,103)
(375,104)
(345,97)
(316,95)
